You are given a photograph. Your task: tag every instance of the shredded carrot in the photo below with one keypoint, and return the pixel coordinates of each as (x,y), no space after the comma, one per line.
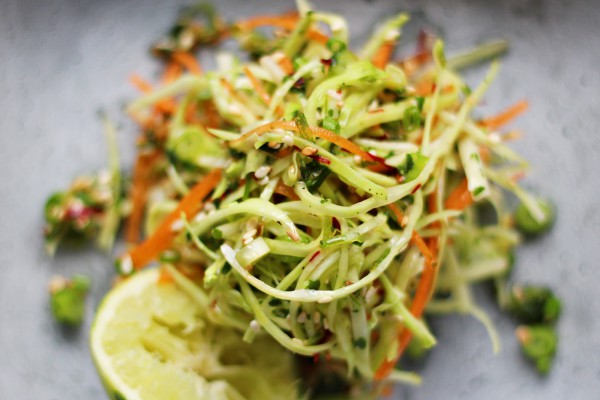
(506,116)
(188,61)
(161,239)
(286,191)
(285,21)
(144,86)
(286,64)
(165,277)
(172,72)
(142,173)
(257,85)
(140,83)
(460,198)
(317,131)
(384,53)
(317,36)
(420,300)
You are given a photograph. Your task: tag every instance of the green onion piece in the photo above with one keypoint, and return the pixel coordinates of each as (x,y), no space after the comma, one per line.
(538,343)
(528,224)
(412,166)
(534,304)
(411,119)
(67,299)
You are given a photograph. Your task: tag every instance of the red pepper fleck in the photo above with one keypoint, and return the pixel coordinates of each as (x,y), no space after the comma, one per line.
(416,188)
(320,159)
(316,358)
(314,256)
(335,223)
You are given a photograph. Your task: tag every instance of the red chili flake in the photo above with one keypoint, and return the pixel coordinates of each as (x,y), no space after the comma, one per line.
(416,188)
(320,159)
(376,111)
(348,283)
(78,212)
(399,178)
(314,256)
(335,223)
(299,84)
(328,356)
(316,358)
(328,62)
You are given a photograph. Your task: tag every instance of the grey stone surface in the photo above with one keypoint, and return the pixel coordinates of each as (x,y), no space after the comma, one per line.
(61,61)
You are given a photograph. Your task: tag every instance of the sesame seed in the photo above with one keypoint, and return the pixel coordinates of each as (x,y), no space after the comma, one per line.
(301,318)
(357,159)
(340,104)
(255,326)
(317,317)
(287,139)
(126,265)
(334,94)
(404,221)
(326,299)
(264,181)
(309,151)
(199,217)
(252,223)
(274,145)
(177,225)
(293,235)
(57,283)
(250,234)
(262,172)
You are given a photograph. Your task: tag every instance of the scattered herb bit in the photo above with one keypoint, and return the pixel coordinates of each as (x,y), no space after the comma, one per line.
(534,304)
(538,343)
(67,299)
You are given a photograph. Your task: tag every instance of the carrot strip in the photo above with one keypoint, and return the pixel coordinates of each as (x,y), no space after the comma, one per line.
(286,191)
(384,53)
(317,131)
(188,61)
(144,86)
(506,116)
(165,277)
(285,21)
(460,198)
(286,65)
(160,240)
(139,191)
(317,36)
(257,85)
(140,83)
(172,72)
(420,300)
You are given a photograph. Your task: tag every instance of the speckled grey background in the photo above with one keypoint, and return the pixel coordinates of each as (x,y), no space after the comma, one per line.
(61,61)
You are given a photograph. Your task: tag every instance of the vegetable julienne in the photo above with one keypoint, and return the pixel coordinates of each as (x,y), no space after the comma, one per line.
(334,198)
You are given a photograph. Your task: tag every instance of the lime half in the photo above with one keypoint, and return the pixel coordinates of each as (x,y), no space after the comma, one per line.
(151,341)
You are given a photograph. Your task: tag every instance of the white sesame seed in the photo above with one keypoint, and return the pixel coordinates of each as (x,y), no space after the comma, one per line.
(264,181)
(208,207)
(494,137)
(309,151)
(357,159)
(251,223)
(317,317)
(274,145)
(340,104)
(287,139)
(262,172)
(334,94)
(199,217)
(326,299)
(371,295)
(301,318)
(250,234)
(126,265)
(177,225)
(57,283)
(247,241)
(255,326)
(404,221)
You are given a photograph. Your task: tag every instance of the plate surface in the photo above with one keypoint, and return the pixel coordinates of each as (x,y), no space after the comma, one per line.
(62,61)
